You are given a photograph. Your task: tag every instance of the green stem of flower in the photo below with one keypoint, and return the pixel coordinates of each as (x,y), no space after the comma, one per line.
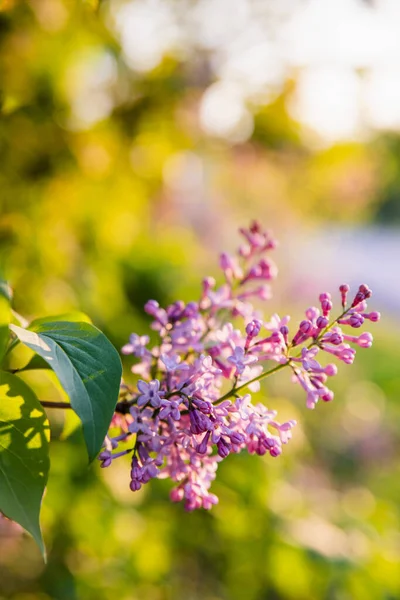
(235,390)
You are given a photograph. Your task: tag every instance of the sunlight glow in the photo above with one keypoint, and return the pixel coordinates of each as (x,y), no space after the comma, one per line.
(223,113)
(344,57)
(326,100)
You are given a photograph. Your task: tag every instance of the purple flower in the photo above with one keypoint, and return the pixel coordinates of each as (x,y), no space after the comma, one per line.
(308,359)
(137,345)
(224,447)
(170,408)
(173,363)
(186,416)
(240,359)
(150,392)
(141,420)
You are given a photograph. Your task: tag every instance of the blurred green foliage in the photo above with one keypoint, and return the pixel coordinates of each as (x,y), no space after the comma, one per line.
(102,216)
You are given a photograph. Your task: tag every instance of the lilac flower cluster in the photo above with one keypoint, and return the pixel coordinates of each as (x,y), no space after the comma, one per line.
(189,409)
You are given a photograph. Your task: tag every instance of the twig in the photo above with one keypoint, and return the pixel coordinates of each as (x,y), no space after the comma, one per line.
(48,404)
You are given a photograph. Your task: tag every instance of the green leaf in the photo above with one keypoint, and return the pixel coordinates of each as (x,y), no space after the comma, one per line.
(73,316)
(5,318)
(24,454)
(88,368)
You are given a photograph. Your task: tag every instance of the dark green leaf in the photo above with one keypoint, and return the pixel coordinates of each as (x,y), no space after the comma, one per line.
(24,454)
(88,367)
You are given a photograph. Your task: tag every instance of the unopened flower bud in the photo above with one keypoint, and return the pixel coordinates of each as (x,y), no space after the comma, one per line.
(202,447)
(324,296)
(275,451)
(344,290)
(356,320)
(372,316)
(364,289)
(322,322)
(363,294)
(223,448)
(305,327)
(198,422)
(236,438)
(285,332)
(106,458)
(326,306)
(334,338)
(330,370)
(365,340)
(177,494)
(253,328)
(208,283)
(135,485)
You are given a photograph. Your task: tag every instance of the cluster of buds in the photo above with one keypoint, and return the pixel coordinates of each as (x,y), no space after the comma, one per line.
(190,408)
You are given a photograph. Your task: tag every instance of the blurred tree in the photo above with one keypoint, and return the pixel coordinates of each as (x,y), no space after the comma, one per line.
(111,192)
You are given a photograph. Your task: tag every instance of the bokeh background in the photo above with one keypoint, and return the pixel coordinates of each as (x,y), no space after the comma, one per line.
(136,136)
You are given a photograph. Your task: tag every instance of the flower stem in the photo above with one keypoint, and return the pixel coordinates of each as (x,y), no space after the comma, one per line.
(263,375)
(48,404)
